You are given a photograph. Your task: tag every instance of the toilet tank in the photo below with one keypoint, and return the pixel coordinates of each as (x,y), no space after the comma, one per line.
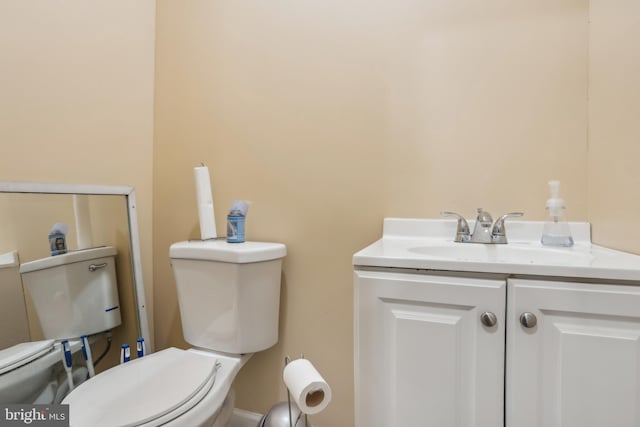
(228,293)
(74,294)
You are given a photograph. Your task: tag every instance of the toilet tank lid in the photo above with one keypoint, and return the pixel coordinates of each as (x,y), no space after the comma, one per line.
(68,258)
(220,250)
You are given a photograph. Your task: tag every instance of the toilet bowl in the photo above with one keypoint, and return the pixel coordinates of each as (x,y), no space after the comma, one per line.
(26,371)
(172,388)
(229,296)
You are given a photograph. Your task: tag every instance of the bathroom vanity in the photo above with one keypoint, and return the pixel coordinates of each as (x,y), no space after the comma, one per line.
(483,335)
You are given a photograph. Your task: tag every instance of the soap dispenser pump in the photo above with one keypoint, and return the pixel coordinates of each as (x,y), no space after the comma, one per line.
(556,229)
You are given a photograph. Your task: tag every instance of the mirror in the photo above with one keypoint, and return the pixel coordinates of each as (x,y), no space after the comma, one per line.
(97,216)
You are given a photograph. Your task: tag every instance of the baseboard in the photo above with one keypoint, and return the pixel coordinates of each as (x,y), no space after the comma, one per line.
(242,418)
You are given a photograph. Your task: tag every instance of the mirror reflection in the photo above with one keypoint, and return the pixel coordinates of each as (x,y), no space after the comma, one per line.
(48,302)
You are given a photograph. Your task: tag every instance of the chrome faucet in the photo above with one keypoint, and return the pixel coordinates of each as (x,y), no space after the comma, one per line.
(484,230)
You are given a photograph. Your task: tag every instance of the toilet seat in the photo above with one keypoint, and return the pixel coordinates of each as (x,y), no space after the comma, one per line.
(149,391)
(20,354)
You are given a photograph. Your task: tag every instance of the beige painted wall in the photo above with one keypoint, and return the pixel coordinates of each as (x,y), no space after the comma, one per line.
(331,115)
(77,97)
(614,126)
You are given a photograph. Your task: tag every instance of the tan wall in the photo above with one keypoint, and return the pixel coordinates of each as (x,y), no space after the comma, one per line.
(77,97)
(331,115)
(614,127)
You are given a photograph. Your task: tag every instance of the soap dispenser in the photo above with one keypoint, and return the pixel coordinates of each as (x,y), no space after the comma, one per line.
(556,229)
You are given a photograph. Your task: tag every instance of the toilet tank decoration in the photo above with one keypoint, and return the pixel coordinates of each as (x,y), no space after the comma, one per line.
(74,294)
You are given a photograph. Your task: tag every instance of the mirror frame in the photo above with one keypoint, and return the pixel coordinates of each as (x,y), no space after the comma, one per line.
(134,236)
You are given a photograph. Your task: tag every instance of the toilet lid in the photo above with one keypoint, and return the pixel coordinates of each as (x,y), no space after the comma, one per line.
(23,353)
(146,391)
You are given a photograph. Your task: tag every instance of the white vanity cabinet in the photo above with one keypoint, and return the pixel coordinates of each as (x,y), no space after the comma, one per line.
(564,350)
(579,366)
(423,357)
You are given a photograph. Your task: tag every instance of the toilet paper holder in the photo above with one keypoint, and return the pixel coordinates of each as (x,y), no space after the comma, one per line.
(292,423)
(307,394)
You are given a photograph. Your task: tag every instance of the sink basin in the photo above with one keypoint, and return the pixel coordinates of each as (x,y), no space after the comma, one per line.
(509,253)
(427,244)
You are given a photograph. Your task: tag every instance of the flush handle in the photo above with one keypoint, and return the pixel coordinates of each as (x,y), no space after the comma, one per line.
(488,319)
(94,267)
(528,320)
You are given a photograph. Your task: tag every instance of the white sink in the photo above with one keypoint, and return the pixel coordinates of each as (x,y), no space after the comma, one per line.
(428,244)
(509,253)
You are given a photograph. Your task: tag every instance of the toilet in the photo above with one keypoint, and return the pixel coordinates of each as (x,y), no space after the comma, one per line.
(25,369)
(73,294)
(228,295)
(27,372)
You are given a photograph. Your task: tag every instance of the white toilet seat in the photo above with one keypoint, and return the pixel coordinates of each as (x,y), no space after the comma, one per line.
(26,368)
(150,391)
(20,354)
(216,408)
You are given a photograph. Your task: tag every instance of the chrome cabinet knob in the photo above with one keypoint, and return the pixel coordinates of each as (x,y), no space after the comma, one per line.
(488,319)
(528,320)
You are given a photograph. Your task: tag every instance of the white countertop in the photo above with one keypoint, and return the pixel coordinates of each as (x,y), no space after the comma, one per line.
(10,259)
(428,244)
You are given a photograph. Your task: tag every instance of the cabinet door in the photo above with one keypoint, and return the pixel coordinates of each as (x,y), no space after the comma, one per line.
(579,366)
(422,356)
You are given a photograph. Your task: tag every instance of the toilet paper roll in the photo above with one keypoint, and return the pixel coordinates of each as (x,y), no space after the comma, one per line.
(307,387)
(82,214)
(205,203)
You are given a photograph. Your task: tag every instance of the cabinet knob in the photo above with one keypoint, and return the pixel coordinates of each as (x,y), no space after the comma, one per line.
(528,320)
(488,319)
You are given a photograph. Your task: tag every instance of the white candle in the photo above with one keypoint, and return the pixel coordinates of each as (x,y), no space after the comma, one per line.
(205,203)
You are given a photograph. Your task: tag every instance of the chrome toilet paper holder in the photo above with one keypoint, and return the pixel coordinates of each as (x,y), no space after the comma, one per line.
(307,393)
(287,360)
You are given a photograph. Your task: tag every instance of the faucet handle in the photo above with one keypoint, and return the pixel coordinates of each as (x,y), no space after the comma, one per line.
(462,232)
(498,233)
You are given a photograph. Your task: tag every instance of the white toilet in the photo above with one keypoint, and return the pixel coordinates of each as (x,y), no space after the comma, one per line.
(25,369)
(73,294)
(229,296)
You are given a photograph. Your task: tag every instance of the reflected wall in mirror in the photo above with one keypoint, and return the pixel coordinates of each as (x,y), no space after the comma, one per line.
(97,216)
